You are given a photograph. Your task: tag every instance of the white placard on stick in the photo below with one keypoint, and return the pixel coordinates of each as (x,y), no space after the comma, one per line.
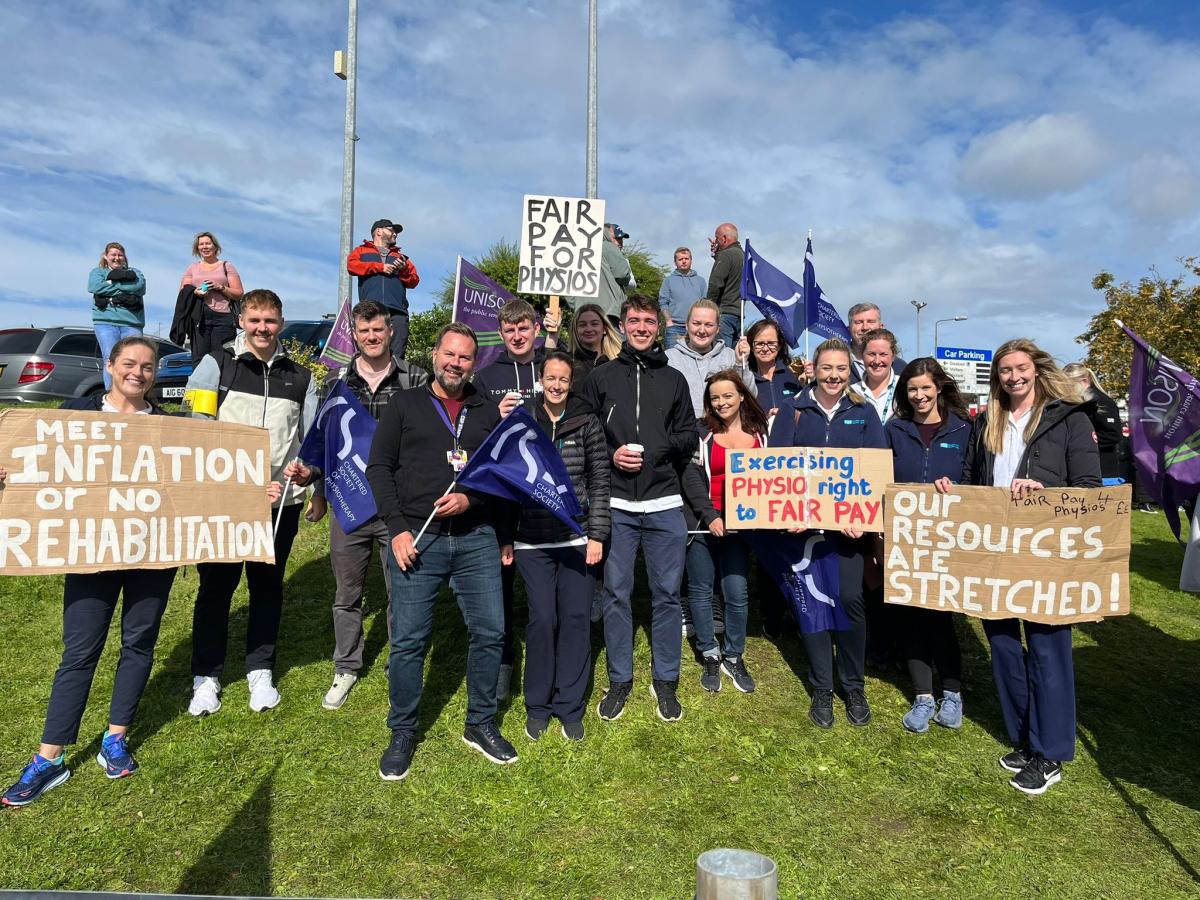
(562,241)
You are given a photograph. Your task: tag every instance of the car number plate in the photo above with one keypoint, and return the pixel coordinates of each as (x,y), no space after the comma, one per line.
(172,393)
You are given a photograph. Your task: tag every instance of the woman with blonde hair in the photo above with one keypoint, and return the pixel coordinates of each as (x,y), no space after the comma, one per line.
(1035,434)
(1106,420)
(118,292)
(592,340)
(218,287)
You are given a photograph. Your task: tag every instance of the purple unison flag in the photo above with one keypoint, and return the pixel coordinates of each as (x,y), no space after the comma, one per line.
(339,442)
(1164,428)
(339,346)
(819,314)
(805,566)
(775,295)
(518,462)
(477,299)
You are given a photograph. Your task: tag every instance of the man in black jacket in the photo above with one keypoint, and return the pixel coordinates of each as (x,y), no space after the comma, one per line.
(725,279)
(651,433)
(424,439)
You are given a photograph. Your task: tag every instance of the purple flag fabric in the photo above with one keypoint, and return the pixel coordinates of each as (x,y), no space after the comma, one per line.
(477,299)
(339,346)
(518,462)
(339,443)
(820,317)
(805,566)
(1164,428)
(774,294)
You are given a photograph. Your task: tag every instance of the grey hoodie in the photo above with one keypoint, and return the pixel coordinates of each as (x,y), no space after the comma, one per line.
(678,292)
(696,366)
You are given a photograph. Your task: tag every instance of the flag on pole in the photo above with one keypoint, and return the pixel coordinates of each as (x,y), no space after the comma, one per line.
(477,299)
(339,346)
(339,443)
(820,316)
(774,294)
(1164,428)
(805,566)
(518,462)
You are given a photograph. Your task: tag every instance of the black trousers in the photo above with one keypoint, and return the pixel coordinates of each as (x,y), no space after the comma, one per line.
(399,333)
(264,581)
(929,640)
(89,602)
(851,645)
(214,331)
(508,584)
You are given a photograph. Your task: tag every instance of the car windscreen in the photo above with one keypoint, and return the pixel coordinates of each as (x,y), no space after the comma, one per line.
(20,340)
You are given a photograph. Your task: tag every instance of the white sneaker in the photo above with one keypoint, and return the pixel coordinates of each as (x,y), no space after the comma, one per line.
(263,695)
(206,698)
(504,683)
(342,682)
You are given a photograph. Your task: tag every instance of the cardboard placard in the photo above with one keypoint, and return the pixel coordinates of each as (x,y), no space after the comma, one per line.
(812,487)
(91,492)
(1059,556)
(562,241)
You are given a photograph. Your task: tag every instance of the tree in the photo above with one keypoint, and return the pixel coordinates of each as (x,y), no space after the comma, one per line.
(1166,314)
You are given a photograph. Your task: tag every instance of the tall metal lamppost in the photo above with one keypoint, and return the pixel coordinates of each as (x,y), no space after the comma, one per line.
(592,103)
(935,330)
(345,66)
(920,305)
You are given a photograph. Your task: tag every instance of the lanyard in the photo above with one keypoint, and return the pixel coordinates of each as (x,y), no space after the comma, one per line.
(455,430)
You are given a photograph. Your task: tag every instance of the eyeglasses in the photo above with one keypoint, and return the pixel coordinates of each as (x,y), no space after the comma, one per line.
(766,345)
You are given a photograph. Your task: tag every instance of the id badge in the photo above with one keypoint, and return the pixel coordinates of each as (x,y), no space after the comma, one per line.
(457,459)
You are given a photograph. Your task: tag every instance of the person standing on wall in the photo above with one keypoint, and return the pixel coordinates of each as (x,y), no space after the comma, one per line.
(118,301)
(725,280)
(385,275)
(218,289)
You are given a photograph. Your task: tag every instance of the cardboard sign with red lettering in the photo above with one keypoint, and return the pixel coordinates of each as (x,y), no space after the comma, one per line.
(809,487)
(1059,556)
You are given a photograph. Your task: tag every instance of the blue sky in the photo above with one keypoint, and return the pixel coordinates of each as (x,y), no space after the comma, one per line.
(988,161)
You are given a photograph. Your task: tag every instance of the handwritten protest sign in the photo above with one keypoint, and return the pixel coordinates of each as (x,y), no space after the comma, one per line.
(1059,556)
(813,487)
(88,492)
(562,239)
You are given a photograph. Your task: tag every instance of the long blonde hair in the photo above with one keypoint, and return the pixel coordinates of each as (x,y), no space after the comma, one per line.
(1075,371)
(610,343)
(1049,383)
(836,345)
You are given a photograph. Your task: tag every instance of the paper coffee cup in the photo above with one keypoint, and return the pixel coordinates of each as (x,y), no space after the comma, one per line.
(635,448)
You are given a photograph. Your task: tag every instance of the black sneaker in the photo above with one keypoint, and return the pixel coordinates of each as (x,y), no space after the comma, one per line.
(1016,760)
(735,668)
(39,776)
(858,711)
(397,757)
(710,680)
(572,731)
(612,706)
(488,740)
(1037,776)
(820,711)
(535,728)
(663,693)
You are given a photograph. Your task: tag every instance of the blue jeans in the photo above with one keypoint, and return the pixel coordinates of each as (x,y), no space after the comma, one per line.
(471,563)
(730,326)
(107,336)
(675,333)
(663,538)
(733,561)
(702,573)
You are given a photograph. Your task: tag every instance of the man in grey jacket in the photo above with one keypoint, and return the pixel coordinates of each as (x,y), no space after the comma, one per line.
(702,353)
(725,279)
(679,291)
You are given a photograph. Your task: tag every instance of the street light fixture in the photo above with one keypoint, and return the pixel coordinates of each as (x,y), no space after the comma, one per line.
(920,305)
(345,66)
(935,330)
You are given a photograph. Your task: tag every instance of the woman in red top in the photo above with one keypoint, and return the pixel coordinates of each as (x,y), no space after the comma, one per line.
(734,421)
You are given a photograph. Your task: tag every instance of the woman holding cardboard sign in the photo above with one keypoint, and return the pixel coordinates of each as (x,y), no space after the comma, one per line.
(929,436)
(833,415)
(1034,435)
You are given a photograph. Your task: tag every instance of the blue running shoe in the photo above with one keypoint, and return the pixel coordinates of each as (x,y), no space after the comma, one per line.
(38,777)
(917,719)
(950,713)
(114,757)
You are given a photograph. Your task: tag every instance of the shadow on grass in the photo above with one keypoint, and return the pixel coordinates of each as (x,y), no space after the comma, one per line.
(238,861)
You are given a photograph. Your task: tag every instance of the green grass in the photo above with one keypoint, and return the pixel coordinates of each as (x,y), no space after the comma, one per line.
(288,802)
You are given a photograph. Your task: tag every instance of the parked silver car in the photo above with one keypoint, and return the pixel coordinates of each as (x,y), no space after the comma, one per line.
(40,364)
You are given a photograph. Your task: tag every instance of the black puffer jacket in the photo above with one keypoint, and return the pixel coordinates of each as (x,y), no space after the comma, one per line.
(579,438)
(1106,420)
(1061,453)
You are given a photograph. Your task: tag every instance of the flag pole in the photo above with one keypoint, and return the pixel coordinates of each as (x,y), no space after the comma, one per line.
(420,533)
(806,359)
(282,496)
(457,279)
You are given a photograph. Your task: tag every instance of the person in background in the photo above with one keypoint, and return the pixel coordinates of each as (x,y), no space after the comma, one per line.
(833,415)
(733,420)
(704,352)
(385,275)
(1035,434)
(591,340)
(864,318)
(1106,420)
(616,275)
(880,378)
(725,280)
(929,436)
(218,287)
(558,566)
(118,301)
(374,376)
(679,291)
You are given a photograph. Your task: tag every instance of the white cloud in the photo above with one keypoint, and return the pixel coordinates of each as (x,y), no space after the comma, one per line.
(1035,158)
(1163,187)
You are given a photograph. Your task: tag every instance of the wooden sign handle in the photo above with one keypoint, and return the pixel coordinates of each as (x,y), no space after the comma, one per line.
(554,300)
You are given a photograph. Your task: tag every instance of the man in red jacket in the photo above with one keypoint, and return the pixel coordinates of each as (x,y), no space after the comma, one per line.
(385,275)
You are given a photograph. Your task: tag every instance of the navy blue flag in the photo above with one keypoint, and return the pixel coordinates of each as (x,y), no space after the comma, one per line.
(776,296)
(518,462)
(339,443)
(805,566)
(820,316)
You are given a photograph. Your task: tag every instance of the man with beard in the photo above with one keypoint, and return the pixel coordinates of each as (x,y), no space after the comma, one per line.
(865,318)
(424,440)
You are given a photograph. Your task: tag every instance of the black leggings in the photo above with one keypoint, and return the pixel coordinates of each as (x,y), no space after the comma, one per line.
(852,644)
(929,640)
(89,602)
(212,332)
